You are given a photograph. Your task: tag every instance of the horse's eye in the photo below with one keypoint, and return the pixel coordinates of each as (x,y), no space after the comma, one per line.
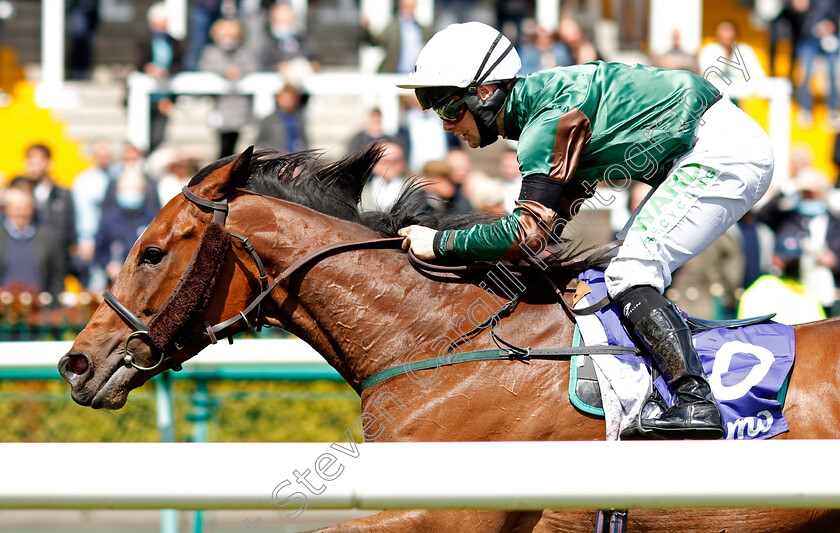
(151,256)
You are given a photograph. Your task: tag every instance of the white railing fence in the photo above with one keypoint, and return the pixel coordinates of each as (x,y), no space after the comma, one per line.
(497,475)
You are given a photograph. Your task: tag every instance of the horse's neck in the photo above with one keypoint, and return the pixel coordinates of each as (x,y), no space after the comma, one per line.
(366,311)
(359,309)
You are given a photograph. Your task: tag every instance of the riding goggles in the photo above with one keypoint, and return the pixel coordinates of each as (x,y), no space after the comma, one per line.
(433,96)
(452,109)
(440,99)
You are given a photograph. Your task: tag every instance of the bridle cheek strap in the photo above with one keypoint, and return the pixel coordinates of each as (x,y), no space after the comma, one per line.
(192,294)
(189,297)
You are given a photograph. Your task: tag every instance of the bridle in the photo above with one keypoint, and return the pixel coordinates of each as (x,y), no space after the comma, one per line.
(211,333)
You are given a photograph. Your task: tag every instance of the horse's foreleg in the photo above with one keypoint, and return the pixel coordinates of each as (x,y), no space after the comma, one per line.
(439,522)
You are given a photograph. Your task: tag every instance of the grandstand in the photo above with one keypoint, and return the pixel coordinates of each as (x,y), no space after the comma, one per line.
(96,107)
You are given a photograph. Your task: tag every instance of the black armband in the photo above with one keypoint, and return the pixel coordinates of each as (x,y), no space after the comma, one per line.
(540,188)
(436,244)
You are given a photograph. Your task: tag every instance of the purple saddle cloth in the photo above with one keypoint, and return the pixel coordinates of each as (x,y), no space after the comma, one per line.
(747,367)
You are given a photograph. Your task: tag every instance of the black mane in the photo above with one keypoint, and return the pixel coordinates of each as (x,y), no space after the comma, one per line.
(335,189)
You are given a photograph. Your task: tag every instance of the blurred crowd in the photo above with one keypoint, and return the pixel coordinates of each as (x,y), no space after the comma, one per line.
(781,257)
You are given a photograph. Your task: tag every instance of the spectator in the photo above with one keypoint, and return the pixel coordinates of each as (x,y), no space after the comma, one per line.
(402,38)
(443,197)
(387,179)
(371,132)
(254,15)
(130,204)
(159,56)
(426,138)
(726,35)
(483,192)
(202,15)
(783,19)
(821,238)
(88,193)
(806,214)
(676,58)
(543,52)
(510,15)
(453,12)
(226,56)
(817,36)
(285,129)
(509,169)
(835,158)
(53,204)
(179,172)
(82,22)
(288,50)
(758,241)
(782,292)
(571,35)
(27,248)
(461,165)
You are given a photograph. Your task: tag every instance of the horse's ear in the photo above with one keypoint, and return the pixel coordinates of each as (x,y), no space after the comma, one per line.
(222,181)
(240,171)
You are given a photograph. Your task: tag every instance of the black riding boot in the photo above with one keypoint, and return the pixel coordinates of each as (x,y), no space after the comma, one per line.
(662,330)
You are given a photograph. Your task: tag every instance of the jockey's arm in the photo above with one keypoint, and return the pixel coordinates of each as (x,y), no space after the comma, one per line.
(531,227)
(526,232)
(549,152)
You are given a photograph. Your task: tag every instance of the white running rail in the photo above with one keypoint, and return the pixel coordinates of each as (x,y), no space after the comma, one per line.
(498,475)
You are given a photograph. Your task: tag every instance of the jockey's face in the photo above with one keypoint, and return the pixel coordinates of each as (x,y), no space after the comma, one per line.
(465,128)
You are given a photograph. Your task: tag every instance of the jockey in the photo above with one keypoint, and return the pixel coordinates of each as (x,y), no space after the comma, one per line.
(706,159)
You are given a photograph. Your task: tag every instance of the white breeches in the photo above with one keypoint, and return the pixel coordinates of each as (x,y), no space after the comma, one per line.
(708,189)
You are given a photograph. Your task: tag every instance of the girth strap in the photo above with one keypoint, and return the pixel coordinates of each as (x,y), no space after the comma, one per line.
(491,355)
(611,521)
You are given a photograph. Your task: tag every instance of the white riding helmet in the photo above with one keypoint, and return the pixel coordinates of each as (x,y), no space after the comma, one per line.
(451,67)
(452,58)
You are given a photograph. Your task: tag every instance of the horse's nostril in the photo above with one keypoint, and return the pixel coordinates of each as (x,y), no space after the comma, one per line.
(78,364)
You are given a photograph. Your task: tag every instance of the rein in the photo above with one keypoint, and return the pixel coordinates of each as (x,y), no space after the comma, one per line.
(211,332)
(599,257)
(500,354)
(162,337)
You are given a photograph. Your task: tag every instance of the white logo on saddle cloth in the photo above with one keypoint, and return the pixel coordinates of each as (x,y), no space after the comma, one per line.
(751,425)
(723,359)
(746,367)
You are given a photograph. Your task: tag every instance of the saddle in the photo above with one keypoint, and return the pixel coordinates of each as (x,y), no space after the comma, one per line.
(747,363)
(584,391)
(729,357)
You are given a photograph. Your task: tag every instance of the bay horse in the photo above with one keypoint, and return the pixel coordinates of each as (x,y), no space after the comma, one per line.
(368,310)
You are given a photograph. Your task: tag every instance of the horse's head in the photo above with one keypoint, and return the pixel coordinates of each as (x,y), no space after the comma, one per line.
(154,316)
